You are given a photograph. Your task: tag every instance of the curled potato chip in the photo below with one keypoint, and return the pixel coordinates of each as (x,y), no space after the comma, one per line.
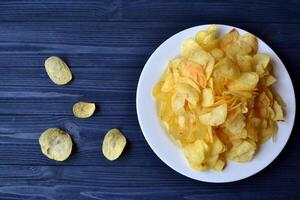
(242,150)
(247,81)
(248,41)
(189,46)
(278,112)
(204,59)
(83,109)
(208,39)
(195,153)
(196,73)
(216,117)
(268,129)
(56,144)
(245,62)
(217,53)
(57,70)
(113,144)
(207,97)
(226,68)
(229,38)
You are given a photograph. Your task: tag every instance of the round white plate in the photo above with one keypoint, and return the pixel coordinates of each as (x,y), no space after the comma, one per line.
(171,154)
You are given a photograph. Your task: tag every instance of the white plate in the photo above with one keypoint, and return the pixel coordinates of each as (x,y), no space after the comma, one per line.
(172,155)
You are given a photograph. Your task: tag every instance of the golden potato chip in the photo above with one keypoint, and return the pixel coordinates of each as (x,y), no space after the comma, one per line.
(207,39)
(230,38)
(253,127)
(195,153)
(219,166)
(242,150)
(113,144)
(261,61)
(196,73)
(216,117)
(248,40)
(83,109)
(217,53)
(191,95)
(247,81)
(267,131)
(245,62)
(278,112)
(226,68)
(57,70)
(207,97)
(235,122)
(56,144)
(188,81)
(189,46)
(268,80)
(204,59)
(168,83)
(215,100)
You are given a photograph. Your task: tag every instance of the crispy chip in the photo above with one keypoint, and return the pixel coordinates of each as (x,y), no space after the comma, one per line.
(207,97)
(247,81)
(189,46)
(56,144)
(208,39)
(83,109)
(226,68)
(57,70)
(113,144)
(205,60)
(216,117)
(242,151)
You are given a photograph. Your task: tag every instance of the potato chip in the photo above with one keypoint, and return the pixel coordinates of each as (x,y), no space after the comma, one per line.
(261,61)
(113,144)
(204,59)
(267,131)
(215,100)
(216,117)
(191,95)
(56,144)
(57,70)
(247,81)
(196,73)
(245,62)
(83,109)
(242,151)
(207,39)
(248,40)
(217,53)
(207,97)
(229,38)
(226,68)
(168,83)
(278,112)
(219,166)
(189,46)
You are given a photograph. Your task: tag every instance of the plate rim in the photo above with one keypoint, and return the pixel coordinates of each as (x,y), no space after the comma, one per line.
(158,154)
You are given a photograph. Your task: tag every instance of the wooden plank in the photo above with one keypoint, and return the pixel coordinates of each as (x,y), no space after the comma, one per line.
(155,10)
(117,182)
(19,141)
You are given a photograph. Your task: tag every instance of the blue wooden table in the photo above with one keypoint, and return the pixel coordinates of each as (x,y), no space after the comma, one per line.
(106,44)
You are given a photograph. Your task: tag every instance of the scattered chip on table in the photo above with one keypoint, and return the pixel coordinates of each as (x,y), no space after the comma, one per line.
(56,144)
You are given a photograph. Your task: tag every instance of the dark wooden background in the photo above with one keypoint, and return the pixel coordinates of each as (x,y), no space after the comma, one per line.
(106,44)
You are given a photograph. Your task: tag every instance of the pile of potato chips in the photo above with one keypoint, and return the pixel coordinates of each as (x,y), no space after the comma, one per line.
(216,101)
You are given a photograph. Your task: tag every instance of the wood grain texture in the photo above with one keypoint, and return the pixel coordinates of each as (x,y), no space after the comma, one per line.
(106,44)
